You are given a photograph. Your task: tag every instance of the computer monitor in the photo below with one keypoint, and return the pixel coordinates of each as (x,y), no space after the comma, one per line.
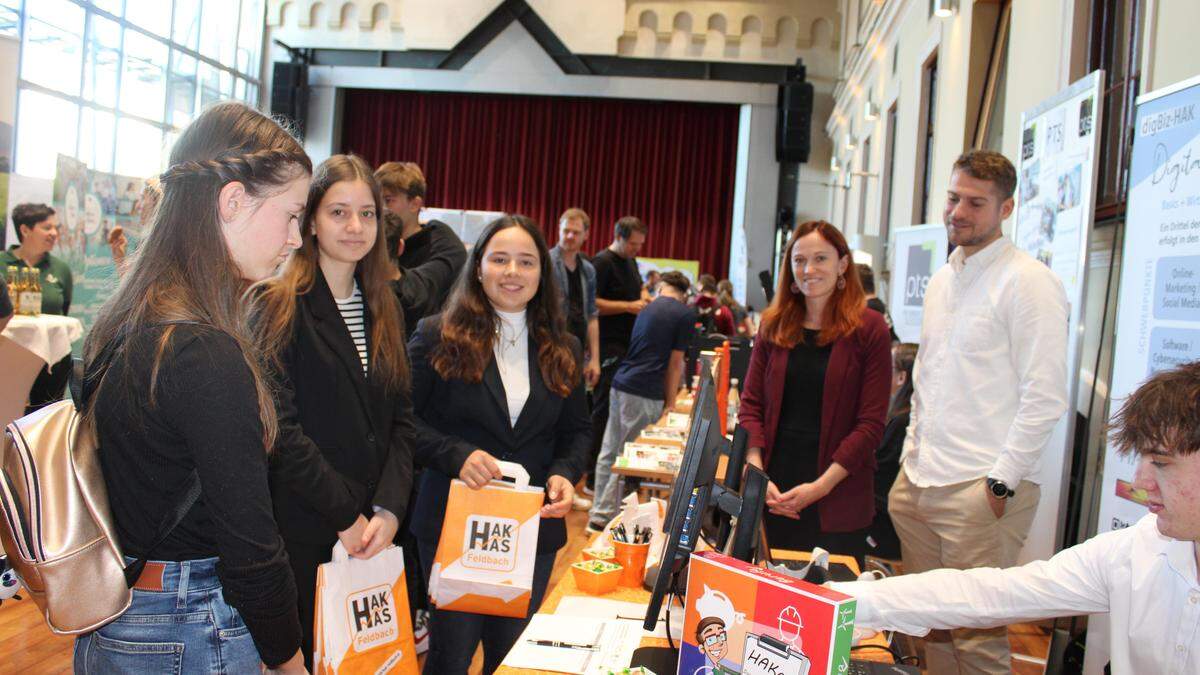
(695,486)
(734,513)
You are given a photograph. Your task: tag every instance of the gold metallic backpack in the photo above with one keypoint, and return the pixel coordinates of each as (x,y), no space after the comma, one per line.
(55,521)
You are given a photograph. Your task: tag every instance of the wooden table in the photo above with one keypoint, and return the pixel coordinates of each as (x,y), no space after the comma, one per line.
(566,588)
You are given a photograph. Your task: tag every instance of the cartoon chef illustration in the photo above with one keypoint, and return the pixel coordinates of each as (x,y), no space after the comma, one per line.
(714,642)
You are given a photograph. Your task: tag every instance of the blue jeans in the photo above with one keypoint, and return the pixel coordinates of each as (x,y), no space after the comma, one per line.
(453,636)
(628,415)
(185,628)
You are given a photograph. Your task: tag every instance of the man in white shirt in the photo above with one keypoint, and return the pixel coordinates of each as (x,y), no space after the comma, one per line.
(1145,577)
(990,384)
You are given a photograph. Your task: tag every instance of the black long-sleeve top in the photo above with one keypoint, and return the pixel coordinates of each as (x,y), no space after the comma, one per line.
(432,260)
(203,417)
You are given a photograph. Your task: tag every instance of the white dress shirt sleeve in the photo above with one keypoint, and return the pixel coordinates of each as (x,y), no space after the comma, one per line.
(1074,582)
(1037,333)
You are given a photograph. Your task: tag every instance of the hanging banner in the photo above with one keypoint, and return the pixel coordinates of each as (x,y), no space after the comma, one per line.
(89,205)
(10,47)
(1056,197)
(1158,310)
(917,252)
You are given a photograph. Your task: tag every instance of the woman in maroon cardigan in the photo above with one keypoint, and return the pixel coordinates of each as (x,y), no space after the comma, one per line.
(816,396)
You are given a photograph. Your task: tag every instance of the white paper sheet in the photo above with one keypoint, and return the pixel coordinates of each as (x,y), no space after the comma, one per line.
(601,608)
(615,641)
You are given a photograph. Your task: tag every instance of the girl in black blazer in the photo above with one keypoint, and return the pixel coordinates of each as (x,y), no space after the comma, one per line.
(496,377)
(342,469)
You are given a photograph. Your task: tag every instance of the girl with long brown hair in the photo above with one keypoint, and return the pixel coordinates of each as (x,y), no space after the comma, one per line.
(497,377)
(184,416)
(332,330)
(816,397)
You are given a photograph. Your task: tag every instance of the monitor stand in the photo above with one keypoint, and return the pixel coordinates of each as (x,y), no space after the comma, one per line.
(656,659)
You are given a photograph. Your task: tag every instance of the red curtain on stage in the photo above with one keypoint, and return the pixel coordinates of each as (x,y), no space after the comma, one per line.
(671,164)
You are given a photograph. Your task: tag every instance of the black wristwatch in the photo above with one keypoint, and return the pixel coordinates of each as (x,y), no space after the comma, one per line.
(999,489)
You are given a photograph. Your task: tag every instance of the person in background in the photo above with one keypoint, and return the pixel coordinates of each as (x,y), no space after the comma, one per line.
(713,316)
(577,281)
(644,386)
(333,332)
(650,288)
(37,232)
(741,316)
(874,302)
(815,398)
(990,385)
(496,376)
(884,542)
(619,298)
(429,257)
(1144,577)
(118,242)
(182,402)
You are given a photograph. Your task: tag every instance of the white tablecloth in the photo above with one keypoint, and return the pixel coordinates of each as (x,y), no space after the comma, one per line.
(49,336)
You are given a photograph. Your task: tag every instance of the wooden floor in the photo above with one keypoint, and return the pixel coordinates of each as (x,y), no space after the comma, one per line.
(29,648)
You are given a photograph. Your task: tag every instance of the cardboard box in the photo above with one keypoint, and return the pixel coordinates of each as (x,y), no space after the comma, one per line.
(740,618)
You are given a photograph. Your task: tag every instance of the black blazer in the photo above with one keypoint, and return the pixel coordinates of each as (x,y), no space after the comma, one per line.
(344,443)
(454,418)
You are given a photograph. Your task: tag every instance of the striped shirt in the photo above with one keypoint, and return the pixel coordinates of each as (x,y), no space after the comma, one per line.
(352,313)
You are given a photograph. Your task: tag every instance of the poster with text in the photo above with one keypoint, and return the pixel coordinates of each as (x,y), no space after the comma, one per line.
(89,205)
(1056,191)
(9,50)
(917,252)
(1158,311)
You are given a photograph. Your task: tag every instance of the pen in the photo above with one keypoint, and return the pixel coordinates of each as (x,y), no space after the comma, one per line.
(563,645)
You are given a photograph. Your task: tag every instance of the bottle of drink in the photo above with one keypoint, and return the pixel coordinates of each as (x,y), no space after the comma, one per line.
(14,282)
(35,279)
(30,293)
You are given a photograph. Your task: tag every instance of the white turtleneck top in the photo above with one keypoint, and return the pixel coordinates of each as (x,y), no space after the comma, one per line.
(512,360)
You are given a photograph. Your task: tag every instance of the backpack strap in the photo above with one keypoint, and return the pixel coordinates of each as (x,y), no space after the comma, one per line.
(170,520)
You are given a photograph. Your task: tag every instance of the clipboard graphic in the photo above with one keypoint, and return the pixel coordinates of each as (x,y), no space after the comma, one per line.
(764,655)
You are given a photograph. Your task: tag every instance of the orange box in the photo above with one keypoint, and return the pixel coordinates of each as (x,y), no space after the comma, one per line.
(596,576)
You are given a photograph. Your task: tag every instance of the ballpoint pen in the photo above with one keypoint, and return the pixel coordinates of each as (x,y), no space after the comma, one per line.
(562,645)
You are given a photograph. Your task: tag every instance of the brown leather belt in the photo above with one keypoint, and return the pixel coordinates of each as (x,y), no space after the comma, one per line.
(151,578)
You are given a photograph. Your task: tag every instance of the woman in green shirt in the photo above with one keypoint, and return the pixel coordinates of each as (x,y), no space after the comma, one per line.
(37,232)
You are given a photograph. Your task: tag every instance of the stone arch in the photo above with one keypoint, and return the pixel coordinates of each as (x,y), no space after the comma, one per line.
(752,25)
(682,21)
(648,19)
(380,15)
(719,23)
(348,16)
(287,11)
(821,33)
(787,29)
(318,15)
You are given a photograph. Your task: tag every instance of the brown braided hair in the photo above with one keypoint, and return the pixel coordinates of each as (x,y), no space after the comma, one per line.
(183,269)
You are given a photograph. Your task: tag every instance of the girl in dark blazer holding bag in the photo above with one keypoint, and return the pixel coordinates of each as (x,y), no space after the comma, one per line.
(816,397)
(342,468)
(496,377)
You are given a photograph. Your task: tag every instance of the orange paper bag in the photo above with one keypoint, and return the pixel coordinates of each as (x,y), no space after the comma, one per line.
(361,623)
(484,562)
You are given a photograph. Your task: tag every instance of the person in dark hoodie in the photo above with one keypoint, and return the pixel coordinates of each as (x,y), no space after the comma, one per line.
(428,257)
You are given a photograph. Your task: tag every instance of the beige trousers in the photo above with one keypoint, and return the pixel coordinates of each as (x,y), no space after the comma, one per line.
(954,526)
